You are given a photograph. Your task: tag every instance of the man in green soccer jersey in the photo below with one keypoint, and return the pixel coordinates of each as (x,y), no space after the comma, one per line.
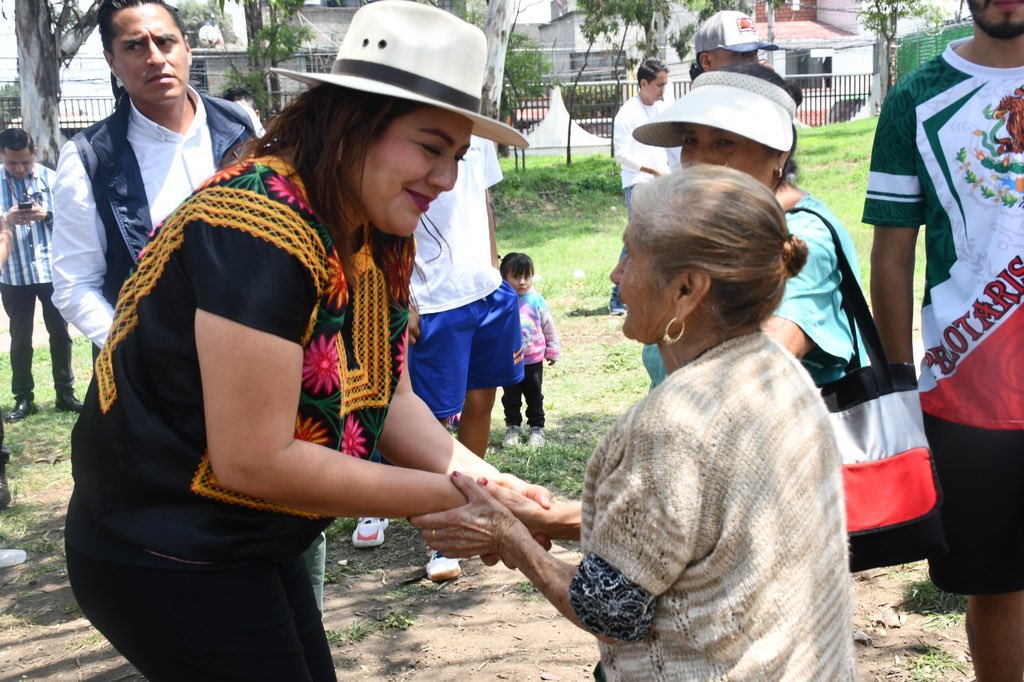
(949,154)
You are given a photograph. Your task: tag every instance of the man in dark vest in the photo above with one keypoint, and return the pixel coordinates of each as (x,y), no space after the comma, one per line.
(120,178)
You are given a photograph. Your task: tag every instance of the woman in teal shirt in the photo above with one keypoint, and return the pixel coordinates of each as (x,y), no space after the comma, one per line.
(742,116)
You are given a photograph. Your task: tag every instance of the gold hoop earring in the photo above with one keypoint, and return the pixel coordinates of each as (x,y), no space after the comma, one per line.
(668,339)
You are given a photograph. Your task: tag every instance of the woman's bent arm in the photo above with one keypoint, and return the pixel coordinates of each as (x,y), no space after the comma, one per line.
(251,383)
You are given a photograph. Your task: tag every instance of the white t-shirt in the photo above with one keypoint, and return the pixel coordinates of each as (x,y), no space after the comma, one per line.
(631,154)
(453,244)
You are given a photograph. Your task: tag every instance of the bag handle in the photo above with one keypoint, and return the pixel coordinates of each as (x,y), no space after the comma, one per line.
(856,308)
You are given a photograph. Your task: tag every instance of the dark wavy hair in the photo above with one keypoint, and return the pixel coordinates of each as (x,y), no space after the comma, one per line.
(105,18)
(325,134)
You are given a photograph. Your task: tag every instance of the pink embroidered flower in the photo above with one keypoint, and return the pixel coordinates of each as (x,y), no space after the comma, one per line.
(286,190)
(320,371)
(400,355)
(310,430)
(353,442)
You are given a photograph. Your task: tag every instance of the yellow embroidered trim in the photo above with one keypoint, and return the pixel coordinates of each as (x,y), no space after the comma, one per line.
(367,384)
(205,483)
(222,207)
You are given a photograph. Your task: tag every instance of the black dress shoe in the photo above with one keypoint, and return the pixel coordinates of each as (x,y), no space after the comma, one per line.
(68,403)
(22,409)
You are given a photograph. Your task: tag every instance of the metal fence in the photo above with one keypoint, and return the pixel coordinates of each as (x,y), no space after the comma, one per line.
(827,98)
(831,98)
(76,113)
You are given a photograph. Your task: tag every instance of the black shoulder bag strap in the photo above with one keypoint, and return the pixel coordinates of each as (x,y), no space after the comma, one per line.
(857,312)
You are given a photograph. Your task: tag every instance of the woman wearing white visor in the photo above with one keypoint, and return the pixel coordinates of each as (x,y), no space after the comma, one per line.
(743,117)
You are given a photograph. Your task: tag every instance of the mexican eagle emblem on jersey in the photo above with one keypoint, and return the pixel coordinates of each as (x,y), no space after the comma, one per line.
(994,163)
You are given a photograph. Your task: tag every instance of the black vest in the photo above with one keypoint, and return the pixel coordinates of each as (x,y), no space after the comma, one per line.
(117,186)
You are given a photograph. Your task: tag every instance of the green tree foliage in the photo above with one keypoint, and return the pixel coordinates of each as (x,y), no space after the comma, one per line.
(195,14)
(611,20)
(272,39)
(525,69)
(881,16)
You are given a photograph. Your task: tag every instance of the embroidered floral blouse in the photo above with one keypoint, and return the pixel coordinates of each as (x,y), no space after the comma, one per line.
(246,246)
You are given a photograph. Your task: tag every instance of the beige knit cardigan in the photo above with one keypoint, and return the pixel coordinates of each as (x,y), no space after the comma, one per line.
(721,494)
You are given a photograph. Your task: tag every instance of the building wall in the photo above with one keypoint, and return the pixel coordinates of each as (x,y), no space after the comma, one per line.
(329,24)
(843,14)
(808,12)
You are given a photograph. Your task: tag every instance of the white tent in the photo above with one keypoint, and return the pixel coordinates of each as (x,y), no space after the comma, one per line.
(549,137)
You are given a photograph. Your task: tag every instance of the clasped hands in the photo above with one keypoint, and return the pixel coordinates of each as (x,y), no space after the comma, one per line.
(498,517)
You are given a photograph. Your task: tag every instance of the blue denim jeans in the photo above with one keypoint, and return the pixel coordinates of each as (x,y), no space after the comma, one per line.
(614,302)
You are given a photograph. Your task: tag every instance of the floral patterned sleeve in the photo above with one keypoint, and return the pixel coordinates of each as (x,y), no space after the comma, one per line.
(609,603)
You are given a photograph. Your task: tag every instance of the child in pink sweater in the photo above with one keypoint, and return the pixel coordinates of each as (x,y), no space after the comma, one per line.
(540,343)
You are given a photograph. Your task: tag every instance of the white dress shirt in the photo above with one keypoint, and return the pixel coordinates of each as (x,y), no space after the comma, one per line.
(172,166)
(633,155)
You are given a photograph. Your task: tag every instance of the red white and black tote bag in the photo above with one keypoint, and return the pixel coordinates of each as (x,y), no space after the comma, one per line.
(891,487)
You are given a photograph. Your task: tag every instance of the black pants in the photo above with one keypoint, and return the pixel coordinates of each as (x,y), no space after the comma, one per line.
(20,305)
(982,476)
(529,388)
(247,622)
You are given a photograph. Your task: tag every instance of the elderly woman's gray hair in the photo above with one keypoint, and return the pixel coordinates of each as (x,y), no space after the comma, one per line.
(713,220)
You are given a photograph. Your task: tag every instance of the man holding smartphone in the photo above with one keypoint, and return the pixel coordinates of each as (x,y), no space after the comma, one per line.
(27,275)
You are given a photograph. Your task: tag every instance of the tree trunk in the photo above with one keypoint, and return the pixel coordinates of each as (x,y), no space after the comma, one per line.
(253,10)
(572,103)
(623,95)
(893,61)
(497,29)
(39,62)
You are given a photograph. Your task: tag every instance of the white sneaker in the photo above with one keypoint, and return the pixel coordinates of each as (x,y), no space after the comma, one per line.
(536,437)
(369,532)
(440,568)
(513,435)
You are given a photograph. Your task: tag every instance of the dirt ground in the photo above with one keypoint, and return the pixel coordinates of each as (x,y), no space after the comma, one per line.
(387,622)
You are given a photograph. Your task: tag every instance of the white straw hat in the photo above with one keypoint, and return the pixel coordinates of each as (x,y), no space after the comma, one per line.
(746,105)
(416,52)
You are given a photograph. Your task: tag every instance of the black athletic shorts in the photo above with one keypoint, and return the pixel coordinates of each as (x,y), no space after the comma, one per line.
(982,476)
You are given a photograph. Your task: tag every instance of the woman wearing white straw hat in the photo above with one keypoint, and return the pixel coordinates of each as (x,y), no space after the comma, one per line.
(257,359)
(742,116)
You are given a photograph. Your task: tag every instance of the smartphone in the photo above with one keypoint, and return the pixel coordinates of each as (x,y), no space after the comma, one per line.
(25,205)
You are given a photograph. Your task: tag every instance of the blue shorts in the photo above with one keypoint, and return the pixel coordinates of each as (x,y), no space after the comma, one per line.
(478,345)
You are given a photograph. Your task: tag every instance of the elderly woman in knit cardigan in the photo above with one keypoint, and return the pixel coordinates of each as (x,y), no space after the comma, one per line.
(711,522)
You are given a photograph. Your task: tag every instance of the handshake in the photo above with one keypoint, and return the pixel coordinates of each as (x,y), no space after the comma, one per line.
(504,519)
